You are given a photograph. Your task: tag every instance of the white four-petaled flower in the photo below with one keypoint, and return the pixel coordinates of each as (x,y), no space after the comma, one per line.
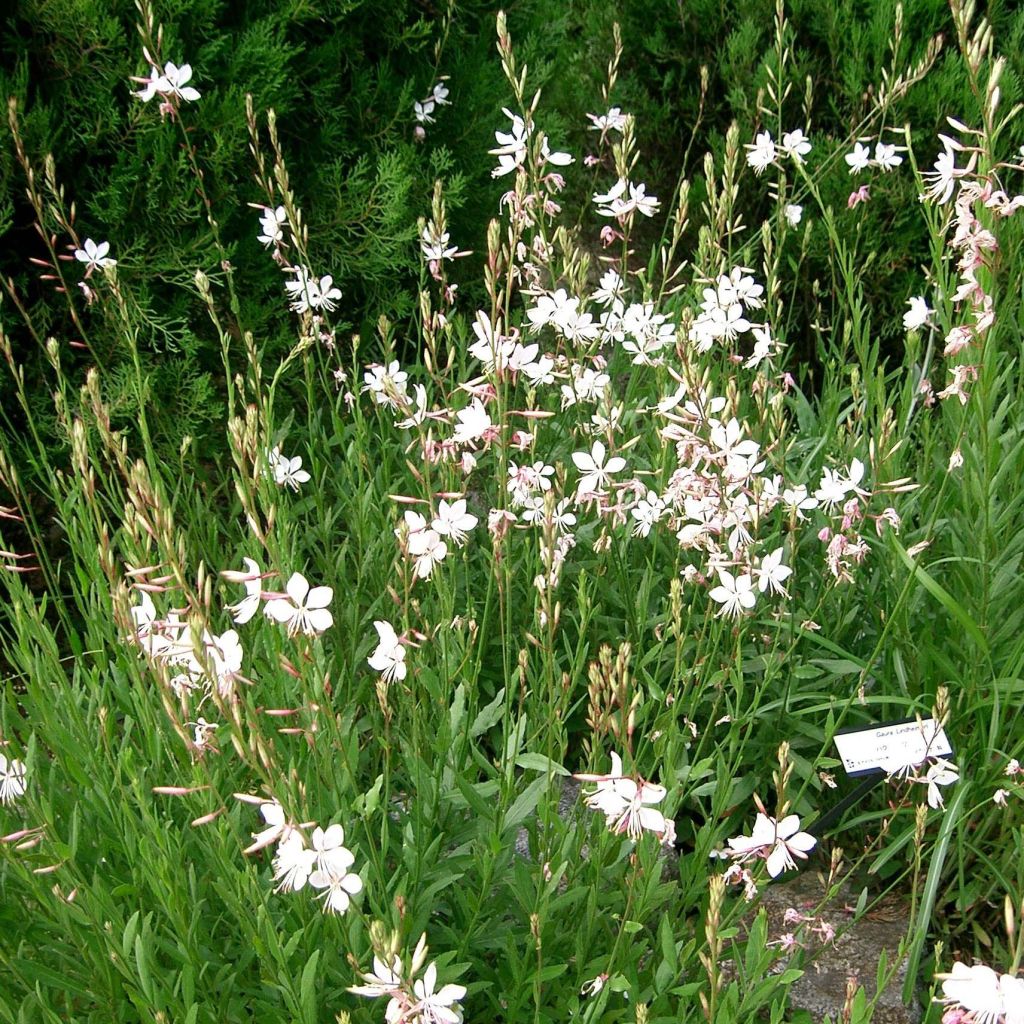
(596,471)
(302,609)
(734,593)
(776,842)
(94,256)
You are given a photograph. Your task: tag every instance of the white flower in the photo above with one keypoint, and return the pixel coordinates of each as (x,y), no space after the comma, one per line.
(797,500)
(556,158)
(271,223)
(734,593)
(427,550)
(610,289)
(609,203)
(760,153)
(293,863)
(473,423)
(339,886)
(614,120)
(793,214)
(383,981)
(435,246)
(387,384)
(453,520)
(12,780)
(763,346)
(277,827)
(945,171)
(777,842)
(439,95)
(248,606)
(441,1007)
(225,651)
(940,773)
(304,610)
(796,145)
(859,159)
(647,512)
(287,472)
(834,487)
(328,846)
(308,292)
(626,802)
(389,656)
(150,86)
(511,149)
(94,256)
(917,316)
(423,109)
(772,574)
(640,201)
(886,156)
(169,82)
(597,472)
(175,78)
(988,997)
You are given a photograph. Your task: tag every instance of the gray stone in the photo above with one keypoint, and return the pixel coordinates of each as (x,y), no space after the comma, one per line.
(856,950)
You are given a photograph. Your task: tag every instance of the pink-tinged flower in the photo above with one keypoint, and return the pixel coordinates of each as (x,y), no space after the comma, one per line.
(776,842)
(861,195)
(626,802)
(734,593)
(986,997)
(389,657)
(301,609)
(12,780)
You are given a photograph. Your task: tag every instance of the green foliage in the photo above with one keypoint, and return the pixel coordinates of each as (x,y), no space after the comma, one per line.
(134,449)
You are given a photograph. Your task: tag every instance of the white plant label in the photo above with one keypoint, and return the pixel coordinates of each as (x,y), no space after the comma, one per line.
(889,748)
